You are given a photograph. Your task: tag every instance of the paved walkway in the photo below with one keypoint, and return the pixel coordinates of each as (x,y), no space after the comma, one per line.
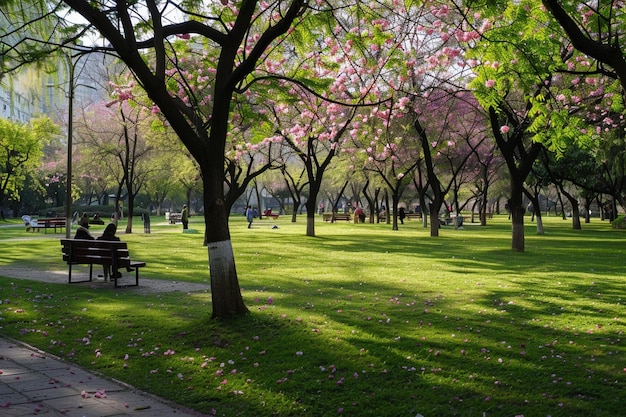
(145,285)
(36,383)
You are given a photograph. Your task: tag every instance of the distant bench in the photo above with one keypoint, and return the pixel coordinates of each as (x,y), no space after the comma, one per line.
(98,252)
(449,221)
(174,217)
(48,223)
(268,213)
(409,216)
(328,217)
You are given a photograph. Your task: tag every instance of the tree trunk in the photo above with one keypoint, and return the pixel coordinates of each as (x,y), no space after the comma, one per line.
(296,206)
(575,209)
(540,230)
(394,210)
(576,217)
(131,207)
(225,290)
(224,281)
(387,208)
(310,209)
(517,216)
(587,206)
(434,221)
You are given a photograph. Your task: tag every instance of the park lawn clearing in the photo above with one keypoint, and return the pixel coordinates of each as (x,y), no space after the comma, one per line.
(360,320)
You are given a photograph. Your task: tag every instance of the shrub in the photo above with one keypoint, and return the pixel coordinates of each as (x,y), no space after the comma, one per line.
(619,222)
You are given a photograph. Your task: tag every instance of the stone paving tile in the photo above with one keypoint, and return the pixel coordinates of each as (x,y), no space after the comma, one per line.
(33,383)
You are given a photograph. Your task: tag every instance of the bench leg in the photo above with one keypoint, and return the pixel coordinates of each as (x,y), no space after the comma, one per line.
(69,276)
(115,285)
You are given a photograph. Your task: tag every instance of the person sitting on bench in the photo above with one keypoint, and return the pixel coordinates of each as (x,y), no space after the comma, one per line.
(83,231)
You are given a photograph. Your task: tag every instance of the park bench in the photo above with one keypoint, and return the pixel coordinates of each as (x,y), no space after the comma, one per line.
(174,217)
(47,223)
(449,221)
(113,254)
(412,216)
(329,217)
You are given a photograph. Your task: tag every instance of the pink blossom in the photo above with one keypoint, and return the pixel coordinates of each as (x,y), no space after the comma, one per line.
(490,83)
(504,129)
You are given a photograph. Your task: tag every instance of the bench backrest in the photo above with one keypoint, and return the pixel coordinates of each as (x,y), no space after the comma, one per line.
(101,252)
(49,222)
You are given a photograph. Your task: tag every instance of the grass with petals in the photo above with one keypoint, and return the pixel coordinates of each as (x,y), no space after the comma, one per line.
(358,321)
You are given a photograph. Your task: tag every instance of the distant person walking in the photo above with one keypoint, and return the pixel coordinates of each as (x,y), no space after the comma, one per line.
(146,222)
(249,216)
(402,215)
(185,217)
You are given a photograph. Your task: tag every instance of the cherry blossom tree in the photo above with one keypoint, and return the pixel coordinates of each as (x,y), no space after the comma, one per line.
(236,37)
(393,155)
(114,136)
(521,81)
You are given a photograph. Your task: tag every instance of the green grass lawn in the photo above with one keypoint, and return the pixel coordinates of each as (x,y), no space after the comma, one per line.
(358,321)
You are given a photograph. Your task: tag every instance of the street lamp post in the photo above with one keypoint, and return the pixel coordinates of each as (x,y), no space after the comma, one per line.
(70,120)
(72,62)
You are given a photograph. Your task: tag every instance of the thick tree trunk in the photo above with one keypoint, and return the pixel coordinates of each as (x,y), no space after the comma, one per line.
(225,290)
(296,206)
(227,300)
(394,210)
(310,225)
(434,222)
(576,217)
(310,211)
(517,219)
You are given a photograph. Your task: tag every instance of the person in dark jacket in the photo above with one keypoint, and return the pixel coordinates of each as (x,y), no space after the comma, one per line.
(185,217)
(83,230)
(109,235)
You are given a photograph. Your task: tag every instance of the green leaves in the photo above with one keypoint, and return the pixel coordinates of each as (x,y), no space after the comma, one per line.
(21,149)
